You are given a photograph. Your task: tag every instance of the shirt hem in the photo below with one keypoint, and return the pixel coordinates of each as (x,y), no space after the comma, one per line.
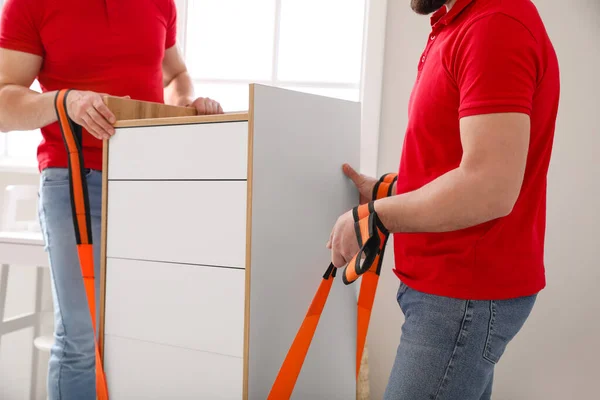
(19,47)
(474,293)
(492,109)
(42,165)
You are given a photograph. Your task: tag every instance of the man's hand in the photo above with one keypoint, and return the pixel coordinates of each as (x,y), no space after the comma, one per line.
(343,242)
(206,106)
(88,110)
(364,184)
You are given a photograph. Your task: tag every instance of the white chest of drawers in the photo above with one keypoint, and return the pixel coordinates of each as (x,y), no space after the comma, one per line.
(214,244)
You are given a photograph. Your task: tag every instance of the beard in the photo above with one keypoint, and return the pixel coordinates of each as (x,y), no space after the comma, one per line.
(425,7)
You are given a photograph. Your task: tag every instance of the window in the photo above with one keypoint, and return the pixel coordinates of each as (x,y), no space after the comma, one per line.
(315,46)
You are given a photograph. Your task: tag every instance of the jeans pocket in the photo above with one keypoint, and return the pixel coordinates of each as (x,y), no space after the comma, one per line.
(507,317)
(493,345)
(59,176)
(401,291)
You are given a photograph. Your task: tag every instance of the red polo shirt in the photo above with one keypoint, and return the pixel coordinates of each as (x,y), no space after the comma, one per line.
(483,56)
(106,46)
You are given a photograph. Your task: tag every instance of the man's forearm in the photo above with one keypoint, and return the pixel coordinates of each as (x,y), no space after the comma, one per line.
(180,91)
(23,109)
(456,200)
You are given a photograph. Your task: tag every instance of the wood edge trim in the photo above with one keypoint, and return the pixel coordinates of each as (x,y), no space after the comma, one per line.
(248,244)
(198,119)
(103,242)
(127,108)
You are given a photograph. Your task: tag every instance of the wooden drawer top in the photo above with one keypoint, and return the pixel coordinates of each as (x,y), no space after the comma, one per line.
(135,113)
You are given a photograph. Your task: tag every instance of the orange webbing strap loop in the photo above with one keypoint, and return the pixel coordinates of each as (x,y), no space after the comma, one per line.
(366,263)
(292,365)
(80,207)
(366,225)
(372,236)
(383,187)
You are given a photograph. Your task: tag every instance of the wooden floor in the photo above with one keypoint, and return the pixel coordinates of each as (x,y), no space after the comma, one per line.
(362,384)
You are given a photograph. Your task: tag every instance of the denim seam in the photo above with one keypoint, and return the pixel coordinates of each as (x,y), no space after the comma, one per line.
(47,236)
(55,183)
(401,289)
(488,341)
(87,173)
(460,336)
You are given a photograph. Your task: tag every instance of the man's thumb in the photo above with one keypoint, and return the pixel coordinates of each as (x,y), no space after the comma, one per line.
(352,174)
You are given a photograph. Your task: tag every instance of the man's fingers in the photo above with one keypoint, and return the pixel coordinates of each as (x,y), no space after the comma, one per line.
(93,128)
(200,105)
(214,106)
(209,105)
(337,259)
(353,175)
(336,256)
(104,111)
(101,122)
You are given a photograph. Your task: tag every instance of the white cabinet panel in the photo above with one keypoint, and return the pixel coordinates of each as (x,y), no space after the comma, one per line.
(312,193)
(195,151)
(195,222)
(195,307)
(149,371)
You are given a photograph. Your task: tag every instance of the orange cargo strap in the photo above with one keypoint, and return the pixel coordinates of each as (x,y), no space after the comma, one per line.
(372,237)
(80,207)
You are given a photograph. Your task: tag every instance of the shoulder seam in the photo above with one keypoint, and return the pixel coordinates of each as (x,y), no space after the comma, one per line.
(492,13)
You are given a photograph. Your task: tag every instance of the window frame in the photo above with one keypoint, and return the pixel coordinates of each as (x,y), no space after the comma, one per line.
(182,18)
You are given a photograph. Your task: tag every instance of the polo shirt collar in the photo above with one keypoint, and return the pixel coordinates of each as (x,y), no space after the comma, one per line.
(444,17)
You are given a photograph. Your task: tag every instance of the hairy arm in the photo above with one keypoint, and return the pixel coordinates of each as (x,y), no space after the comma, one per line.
(179,90)
(22,108)
(484,187)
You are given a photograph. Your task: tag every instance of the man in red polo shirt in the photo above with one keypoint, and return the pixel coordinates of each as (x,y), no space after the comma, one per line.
(122,48)
(469,215)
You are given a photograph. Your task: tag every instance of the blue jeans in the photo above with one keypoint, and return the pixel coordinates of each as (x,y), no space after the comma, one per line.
(71,372)
(449,347)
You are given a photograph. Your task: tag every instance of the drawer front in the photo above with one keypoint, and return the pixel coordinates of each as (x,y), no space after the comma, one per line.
(193,222)
(149,371)
(197,151)
(200,308)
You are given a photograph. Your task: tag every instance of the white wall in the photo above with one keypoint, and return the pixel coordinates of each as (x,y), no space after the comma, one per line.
(555,357)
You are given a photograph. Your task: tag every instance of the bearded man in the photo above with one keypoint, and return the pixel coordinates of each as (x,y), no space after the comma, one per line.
(469,211)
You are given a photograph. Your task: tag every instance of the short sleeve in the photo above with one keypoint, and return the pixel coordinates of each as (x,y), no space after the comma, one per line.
(496,67)
(19,28)
(171,37)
